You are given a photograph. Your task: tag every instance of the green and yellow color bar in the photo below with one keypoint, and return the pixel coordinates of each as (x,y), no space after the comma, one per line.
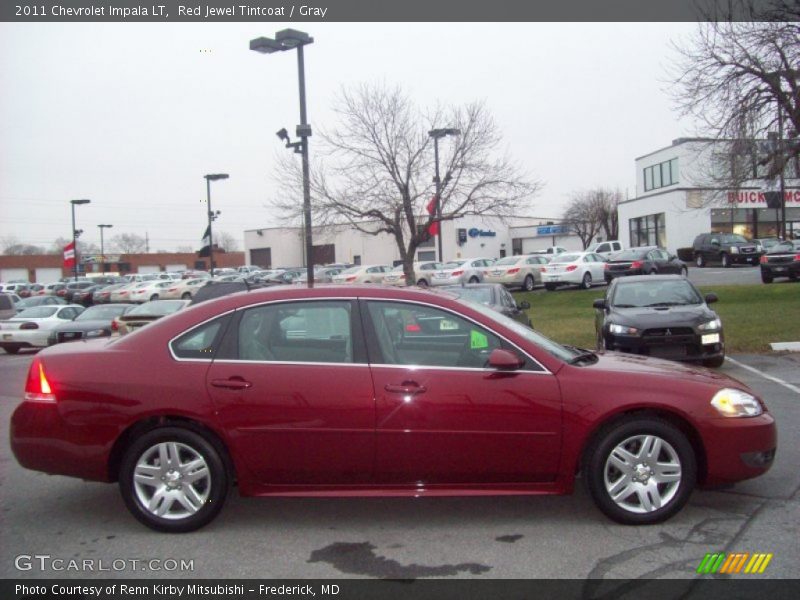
(735,563)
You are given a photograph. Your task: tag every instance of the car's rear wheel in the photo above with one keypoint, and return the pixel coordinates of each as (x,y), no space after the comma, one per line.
(766,277)
(528,284)
(586,282)
(173,479)
(154,297)
(640,470)
(474,279)
(699,260)
(186,296)
(422,283)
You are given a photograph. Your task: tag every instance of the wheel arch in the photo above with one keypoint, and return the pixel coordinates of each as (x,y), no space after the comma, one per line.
(674,419)
(142,426)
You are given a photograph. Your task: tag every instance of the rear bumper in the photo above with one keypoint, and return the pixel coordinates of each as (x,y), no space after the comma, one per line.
(790,269)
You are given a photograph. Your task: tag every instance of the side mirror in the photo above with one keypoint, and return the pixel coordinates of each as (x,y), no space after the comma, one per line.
(524,305)
(711,298)
(599,303)
(715,242)
(505,360)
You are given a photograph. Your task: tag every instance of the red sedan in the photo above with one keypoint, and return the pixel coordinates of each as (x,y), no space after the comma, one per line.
(373,391)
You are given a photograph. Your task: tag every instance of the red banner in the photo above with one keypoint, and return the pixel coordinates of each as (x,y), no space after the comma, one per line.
(69,256)
(433,228)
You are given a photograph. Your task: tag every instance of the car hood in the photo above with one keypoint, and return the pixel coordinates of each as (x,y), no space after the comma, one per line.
(634,364)
(672,316)
(83,325)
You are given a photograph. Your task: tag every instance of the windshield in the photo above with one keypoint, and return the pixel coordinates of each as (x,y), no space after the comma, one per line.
(157,308)
(787,246)
(38,312)
(545,343)
(676,292)
(508,260)
(732,238)
(101,313)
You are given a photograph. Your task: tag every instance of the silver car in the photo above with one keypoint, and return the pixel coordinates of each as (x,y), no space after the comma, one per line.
(462,271)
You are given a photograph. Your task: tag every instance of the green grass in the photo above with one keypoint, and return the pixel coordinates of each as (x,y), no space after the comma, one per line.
(752,315)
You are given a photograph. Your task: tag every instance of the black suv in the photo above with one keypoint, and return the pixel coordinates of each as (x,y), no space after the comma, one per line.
(726,249)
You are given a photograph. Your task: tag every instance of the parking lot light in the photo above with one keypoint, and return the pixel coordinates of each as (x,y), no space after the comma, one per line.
(212,215)
(75,234)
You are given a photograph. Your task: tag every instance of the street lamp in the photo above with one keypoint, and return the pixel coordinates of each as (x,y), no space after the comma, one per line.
(75,234)
(436,134)
(212,215)
(288,39)
(102,247)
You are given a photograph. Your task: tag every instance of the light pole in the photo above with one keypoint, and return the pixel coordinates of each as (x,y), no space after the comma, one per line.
(286,40)
(75,234)
(436,134)
(212,215)
(102,247)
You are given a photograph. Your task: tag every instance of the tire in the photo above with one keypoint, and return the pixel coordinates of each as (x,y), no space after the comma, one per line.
(586,282)
(422,283)
(714,363)
(528,284)
(208,490)
(684,272)
(186,296)
(652,272)
(11,349)
(550,286)
(153,297)
(631,443)
(699,260)
(474,279)
(766,277)
(726,262)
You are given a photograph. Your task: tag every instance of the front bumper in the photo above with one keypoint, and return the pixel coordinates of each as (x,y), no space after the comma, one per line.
(673,347)
(738,448)
(744,259)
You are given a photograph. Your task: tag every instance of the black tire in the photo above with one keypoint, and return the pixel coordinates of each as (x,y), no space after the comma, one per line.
(528,284)
(766,277)
(186,296)
(714,363)
(699,260)
(215,490)
(550,286)
(586,282)
(11,349)
(684,272)
(422,283)
(474,279)
(725,261)
(674,445)
(153,297)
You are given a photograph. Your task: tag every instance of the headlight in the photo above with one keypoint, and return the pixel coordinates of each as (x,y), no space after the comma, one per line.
(734,250)
(714,325)
(622,330)
(96,333)
(736,403)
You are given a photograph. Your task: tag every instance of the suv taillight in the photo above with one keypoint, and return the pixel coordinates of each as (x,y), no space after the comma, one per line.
(637,264)
(37,387)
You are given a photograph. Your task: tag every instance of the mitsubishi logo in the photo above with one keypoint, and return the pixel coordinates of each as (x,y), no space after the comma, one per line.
(667,332)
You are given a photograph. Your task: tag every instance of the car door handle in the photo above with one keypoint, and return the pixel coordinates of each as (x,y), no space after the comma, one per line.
(407,387)
(234,383)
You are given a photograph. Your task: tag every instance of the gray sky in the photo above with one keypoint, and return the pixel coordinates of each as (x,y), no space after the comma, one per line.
(133,115)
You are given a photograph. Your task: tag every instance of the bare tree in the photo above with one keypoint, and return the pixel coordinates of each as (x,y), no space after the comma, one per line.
(128,243)
(376,174)
(585,213)
(11,246)
(741,81)
(608,212)
(225,241)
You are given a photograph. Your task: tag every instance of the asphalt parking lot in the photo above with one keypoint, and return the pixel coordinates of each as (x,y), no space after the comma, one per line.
(506,537)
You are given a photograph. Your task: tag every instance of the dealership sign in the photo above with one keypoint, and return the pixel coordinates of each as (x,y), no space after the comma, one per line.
(756,197)
(552,229)
(475,232)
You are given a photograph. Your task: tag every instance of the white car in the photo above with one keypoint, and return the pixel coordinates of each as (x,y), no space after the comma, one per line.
(462,271)
(362,274)
(517,271)
(149,290)
(583,269)
(183,289)
(123,294)
(31,327)
(423,272)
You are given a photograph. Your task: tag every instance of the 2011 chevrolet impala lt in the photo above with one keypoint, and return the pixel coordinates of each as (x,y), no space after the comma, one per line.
(377,391)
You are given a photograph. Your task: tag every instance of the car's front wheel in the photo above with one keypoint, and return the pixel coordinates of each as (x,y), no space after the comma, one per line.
(173,479)
(640,471)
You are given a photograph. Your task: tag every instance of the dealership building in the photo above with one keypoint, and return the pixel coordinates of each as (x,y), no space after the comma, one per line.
(465,237)
(674,203)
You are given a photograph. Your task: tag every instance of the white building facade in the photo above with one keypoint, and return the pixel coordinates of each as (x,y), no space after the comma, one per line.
(465,237)
(674,203)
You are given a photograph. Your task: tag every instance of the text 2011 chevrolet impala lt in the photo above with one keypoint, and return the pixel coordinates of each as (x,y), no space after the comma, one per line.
(378,392)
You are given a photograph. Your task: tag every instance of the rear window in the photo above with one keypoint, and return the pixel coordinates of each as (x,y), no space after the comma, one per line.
(5,302)
(38,312)
(630,254)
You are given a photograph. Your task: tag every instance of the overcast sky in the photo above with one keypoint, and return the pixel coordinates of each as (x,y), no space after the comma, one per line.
(133,115)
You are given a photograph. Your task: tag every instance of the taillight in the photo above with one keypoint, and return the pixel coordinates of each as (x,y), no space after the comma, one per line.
(514,270)
(637,264)
(61,292)
(351,279)
(37,387)
(413,328)
(172,289)
(572,267)
(796,258)
(607,267)
(114,325)
(29,326)
(543,269)
(764,260)
(456,273)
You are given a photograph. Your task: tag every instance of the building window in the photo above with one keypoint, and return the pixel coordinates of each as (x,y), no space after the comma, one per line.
(516,246)
(426,255)
(649,230)
(661,175)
